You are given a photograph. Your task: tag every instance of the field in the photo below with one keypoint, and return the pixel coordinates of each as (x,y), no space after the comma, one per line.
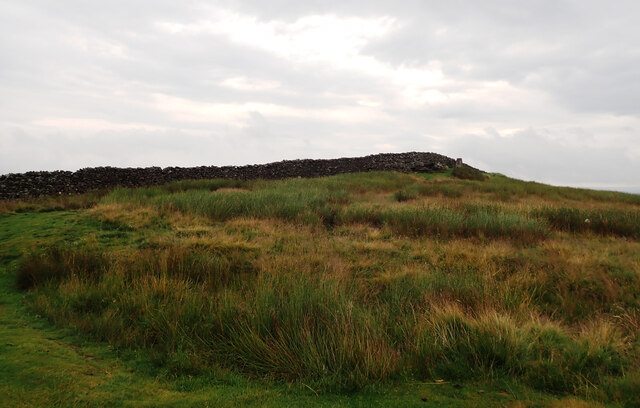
(372,289)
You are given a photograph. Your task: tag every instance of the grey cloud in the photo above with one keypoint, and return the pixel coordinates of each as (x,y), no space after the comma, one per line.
(574,62)
(531,155)
(584,53)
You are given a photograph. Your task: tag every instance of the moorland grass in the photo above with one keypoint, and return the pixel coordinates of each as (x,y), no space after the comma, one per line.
(468,173)
(196,309)
(600,221)
(347,281)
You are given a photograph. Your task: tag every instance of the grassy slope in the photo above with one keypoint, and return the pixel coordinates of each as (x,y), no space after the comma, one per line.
(44,366)
(364,232)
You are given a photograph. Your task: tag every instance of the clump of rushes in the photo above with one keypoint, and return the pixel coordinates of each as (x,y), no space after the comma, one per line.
(413,191)
(445,223)
(52,203)
(193,309)
(601,221)
(445,189)
(542,354)
(58,263)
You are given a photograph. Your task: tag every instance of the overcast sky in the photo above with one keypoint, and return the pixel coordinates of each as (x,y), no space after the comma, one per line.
(544,90)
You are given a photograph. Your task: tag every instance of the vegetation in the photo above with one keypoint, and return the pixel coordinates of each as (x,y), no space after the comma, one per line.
(467,173)
(371,284)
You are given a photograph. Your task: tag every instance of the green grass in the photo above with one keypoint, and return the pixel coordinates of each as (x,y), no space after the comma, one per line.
(444,223)
(599,221)
(468,173)
(45,366)
(353,290)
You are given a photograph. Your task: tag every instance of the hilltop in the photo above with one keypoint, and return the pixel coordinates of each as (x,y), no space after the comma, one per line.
(42,183)
(433,287)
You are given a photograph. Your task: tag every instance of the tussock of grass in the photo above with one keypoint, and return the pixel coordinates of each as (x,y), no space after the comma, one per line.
(52,203)
(444,222)
(289,206)
(467,173)
(543,355)
(600,221)
(194,308)
(210,185)
(444,189)
(56,264)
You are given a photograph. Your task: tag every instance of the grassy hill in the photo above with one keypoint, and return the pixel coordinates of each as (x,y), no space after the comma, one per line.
(372,289)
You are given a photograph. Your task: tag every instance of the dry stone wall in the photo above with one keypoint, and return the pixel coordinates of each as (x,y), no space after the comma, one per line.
(34,184)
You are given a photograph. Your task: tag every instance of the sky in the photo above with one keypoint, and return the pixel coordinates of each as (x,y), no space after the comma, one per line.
(544,90)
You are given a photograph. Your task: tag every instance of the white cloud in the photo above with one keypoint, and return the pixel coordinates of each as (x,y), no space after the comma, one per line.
(91,125)
(310,39)
(242,83)
(97,46)
(236,114)
(329,41)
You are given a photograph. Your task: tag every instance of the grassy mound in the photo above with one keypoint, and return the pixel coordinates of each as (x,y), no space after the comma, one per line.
(468,173)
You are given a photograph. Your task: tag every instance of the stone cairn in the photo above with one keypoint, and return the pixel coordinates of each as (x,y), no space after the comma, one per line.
(42,183)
